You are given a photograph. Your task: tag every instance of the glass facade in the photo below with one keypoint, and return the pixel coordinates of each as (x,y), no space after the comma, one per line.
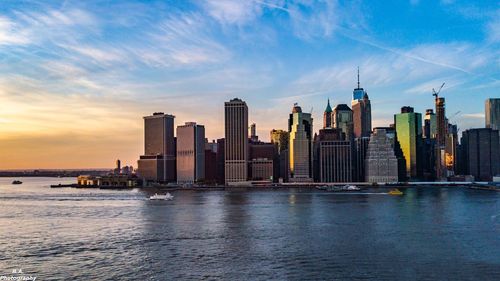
(409,131)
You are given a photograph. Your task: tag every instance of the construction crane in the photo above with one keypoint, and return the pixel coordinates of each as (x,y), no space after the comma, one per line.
(454,115)
(451,119)
(436,94)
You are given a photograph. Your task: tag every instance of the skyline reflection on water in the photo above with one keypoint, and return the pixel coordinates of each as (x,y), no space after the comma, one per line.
(91,234)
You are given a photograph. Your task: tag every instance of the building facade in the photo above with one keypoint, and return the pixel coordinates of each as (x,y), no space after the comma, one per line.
(492,113)
(342,119)
(381,161)
(280,139)
(480,153)
(334,153)
(236,141)
(262,156)
(300,128)
(409,131)
(190,153)
(360,151)
(158,164)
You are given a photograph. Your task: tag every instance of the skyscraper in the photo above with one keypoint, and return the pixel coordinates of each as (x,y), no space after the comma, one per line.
(280,139)
(391,134)
(441,125)
(430,125)
(441,135)
(327,116)
(480,153)
(409,131)
(334,155)
(253,133)
(492,113)
(300,127)
(190,153)
(342,119)
(236,141)
(360,151)
(158,161)
(381,161)
(429,145)
(361,112)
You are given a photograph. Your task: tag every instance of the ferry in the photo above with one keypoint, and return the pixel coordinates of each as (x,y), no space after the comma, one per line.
(351,188)
(17,182)
(157,196)
(395,192)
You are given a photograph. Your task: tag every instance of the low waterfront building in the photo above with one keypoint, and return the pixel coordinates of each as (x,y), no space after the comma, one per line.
(87,180)
(381,161)
(261,169)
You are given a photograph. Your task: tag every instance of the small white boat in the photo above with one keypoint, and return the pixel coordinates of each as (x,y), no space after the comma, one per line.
(351,187)
(157,196)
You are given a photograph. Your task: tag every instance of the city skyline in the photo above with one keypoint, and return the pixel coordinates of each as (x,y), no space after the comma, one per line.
(73,88)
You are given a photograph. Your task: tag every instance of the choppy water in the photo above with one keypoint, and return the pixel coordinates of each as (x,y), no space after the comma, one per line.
(89,234)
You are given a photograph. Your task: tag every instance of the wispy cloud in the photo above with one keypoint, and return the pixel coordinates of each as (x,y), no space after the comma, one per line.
(479,115)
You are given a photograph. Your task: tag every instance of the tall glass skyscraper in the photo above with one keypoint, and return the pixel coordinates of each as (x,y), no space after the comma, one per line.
(362,112)
(300,127)
(409,130)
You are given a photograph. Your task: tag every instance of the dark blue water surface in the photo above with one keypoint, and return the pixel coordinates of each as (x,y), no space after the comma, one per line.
(90,234)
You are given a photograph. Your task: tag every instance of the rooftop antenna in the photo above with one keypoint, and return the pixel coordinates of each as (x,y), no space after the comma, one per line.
(358,77)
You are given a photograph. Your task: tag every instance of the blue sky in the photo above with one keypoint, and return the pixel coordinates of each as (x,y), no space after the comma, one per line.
(77,76)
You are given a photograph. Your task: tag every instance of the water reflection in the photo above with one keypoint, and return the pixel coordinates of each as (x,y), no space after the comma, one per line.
(249,234)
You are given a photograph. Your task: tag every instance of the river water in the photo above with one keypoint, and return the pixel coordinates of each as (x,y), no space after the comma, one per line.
(293,234)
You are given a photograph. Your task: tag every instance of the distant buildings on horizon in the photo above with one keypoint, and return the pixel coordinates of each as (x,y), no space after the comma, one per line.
(346,149)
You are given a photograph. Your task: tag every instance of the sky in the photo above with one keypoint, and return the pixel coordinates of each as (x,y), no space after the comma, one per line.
(76,77)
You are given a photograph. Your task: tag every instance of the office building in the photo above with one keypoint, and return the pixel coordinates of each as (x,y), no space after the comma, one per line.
(409,132)
(236,141)
(158,163)
(253,133)
(261,169)
(480,153)
(280,139)
(211,163)
(430,124)
(342,119)
(334,154)
(300,128)
(262,157)
(391,134)
(361,112)
(381,160)
(221,170)
(360,151)
(492,113)
(441,133)
(190,153)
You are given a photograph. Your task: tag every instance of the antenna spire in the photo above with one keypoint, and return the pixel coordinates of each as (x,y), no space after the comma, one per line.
(358,77)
